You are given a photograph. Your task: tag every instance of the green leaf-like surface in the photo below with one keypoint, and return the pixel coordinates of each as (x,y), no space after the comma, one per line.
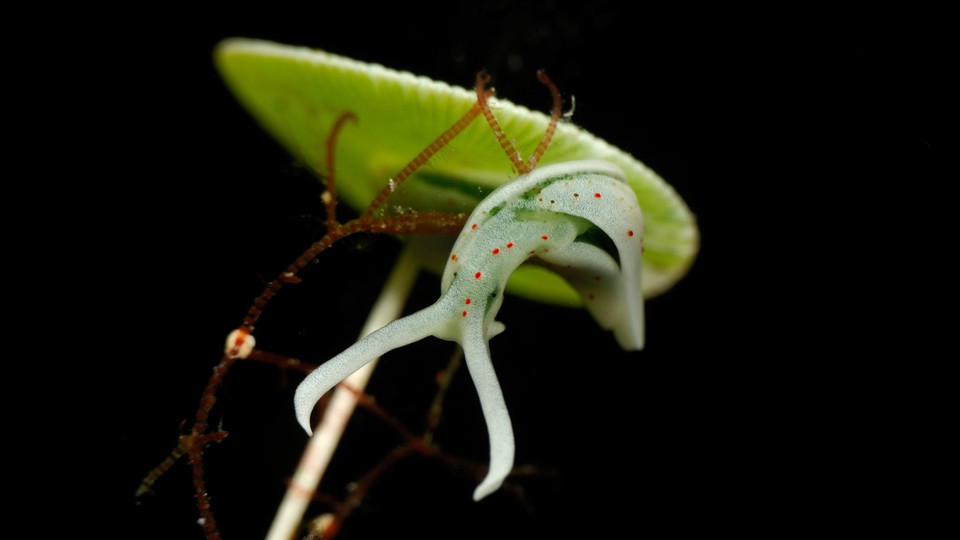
(297,94)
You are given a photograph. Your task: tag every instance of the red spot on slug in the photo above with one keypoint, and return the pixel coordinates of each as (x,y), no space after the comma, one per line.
(477,275)
(544,237)
(467,302)
(510,245)
(532,251)
(464,313)
(596,195)
(496,250)
(453,257)
(473,227)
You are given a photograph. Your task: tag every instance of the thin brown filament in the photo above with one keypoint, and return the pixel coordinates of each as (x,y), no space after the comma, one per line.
(425,156)
(330,197)
(290,274)
(421,223)
(482,79)
(555,113)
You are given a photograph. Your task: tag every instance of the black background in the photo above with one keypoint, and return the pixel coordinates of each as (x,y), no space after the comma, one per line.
(735,418)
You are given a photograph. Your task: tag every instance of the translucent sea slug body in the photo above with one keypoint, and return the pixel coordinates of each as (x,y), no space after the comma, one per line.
(581,220)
